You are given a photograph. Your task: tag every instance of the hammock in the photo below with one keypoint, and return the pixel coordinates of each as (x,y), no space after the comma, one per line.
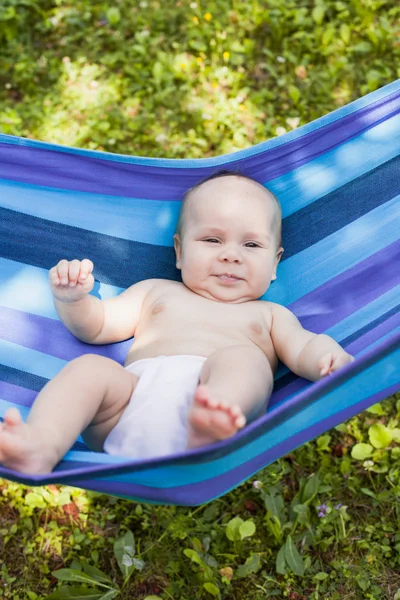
(338,180)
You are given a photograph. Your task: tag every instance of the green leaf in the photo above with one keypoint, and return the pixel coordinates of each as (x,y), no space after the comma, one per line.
(318,14)
(81,593)
(275,505)
(34,500)
(328,35)
(311,488)
(379,435)
(211,589)
(252,565)
(345,33)
(395,435)
(293,558)
(363,582)
(124,551)
(375,409)
(281,561)
(303,512)
(194,557)
(321,576)
(113,15)
(323,442)
(247,529)
(152,598)
(96,573)
(232,529)
(368,492)
(77,576)
(361,451)
(294,93)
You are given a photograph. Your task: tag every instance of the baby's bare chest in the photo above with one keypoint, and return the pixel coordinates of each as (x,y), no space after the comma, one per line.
(187,316)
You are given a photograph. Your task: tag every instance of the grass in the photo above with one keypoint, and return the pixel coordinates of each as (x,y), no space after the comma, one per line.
(193,79)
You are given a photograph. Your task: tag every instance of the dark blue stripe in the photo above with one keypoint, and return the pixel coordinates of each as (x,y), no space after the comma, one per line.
(22,378)
(340,207)
(62,169)
(117,261)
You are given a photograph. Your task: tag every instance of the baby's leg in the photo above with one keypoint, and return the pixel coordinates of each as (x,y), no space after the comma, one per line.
(88,395)
(235,386)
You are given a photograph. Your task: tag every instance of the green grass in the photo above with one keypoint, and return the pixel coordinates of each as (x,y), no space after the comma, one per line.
(194,79)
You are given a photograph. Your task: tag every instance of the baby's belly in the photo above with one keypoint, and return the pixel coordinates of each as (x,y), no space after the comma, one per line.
(198,347)
(168,348)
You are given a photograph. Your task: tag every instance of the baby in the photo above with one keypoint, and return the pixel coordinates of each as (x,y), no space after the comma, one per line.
(205,350)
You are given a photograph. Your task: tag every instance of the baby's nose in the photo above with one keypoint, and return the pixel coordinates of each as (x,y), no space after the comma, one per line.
(230,255)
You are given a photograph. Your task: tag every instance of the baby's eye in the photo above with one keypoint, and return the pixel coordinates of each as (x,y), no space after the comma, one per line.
(252,245)
(211,240)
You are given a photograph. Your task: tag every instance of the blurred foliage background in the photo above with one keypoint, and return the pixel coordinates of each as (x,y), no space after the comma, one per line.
(187,79)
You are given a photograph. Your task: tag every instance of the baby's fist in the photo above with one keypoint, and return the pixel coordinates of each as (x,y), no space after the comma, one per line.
(71,280)
(333,361)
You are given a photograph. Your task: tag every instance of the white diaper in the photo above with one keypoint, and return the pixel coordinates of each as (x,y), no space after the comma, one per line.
(154,422)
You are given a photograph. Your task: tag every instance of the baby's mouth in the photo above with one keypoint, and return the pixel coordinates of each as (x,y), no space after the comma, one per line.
(228,278)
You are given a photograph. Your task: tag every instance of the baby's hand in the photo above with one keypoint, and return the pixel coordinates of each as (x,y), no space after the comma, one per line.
(331,362)
(71,281)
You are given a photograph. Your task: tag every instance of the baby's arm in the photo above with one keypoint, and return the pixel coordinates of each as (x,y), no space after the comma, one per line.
(307,354)
(89,319)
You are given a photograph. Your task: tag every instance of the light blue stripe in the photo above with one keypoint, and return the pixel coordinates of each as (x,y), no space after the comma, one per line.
(336,253)
(381,375)
(219,160)
(366,314)
(154,222)
(327,173)
(30,361)
(147,221)
(26,288)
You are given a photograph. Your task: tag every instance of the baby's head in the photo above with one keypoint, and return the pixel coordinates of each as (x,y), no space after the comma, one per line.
(228,238)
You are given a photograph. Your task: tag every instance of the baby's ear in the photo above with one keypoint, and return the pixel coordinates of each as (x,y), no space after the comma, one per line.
(178,250)
(277,259)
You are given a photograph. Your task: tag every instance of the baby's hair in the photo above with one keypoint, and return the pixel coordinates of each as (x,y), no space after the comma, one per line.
(229,173)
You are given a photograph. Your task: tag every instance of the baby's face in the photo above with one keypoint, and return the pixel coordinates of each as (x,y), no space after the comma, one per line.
(228,251)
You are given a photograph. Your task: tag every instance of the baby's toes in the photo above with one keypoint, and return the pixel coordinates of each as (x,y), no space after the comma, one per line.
(237,416)
(12,417)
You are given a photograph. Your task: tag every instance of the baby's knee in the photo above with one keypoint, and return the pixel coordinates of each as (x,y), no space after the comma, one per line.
(89,363)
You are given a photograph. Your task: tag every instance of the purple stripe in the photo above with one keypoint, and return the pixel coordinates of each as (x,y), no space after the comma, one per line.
(354,348)
(51,337)
(351,290)
(198,493)
(19,395)
(53,168)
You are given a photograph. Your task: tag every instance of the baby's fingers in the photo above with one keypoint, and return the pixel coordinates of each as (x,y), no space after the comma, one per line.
(59,274)
(326,364)
(73,272)
(85,270)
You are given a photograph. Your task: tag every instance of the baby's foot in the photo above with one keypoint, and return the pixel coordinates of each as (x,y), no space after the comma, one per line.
(211,420)
(21,448)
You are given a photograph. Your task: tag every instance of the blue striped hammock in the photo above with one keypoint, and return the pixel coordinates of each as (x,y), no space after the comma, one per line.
(338,180)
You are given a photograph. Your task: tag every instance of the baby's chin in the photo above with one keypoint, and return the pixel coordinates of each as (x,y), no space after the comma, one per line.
(224,295)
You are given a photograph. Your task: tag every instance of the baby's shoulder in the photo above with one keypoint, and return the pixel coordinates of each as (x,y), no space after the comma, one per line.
(164,286)
(276,311)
